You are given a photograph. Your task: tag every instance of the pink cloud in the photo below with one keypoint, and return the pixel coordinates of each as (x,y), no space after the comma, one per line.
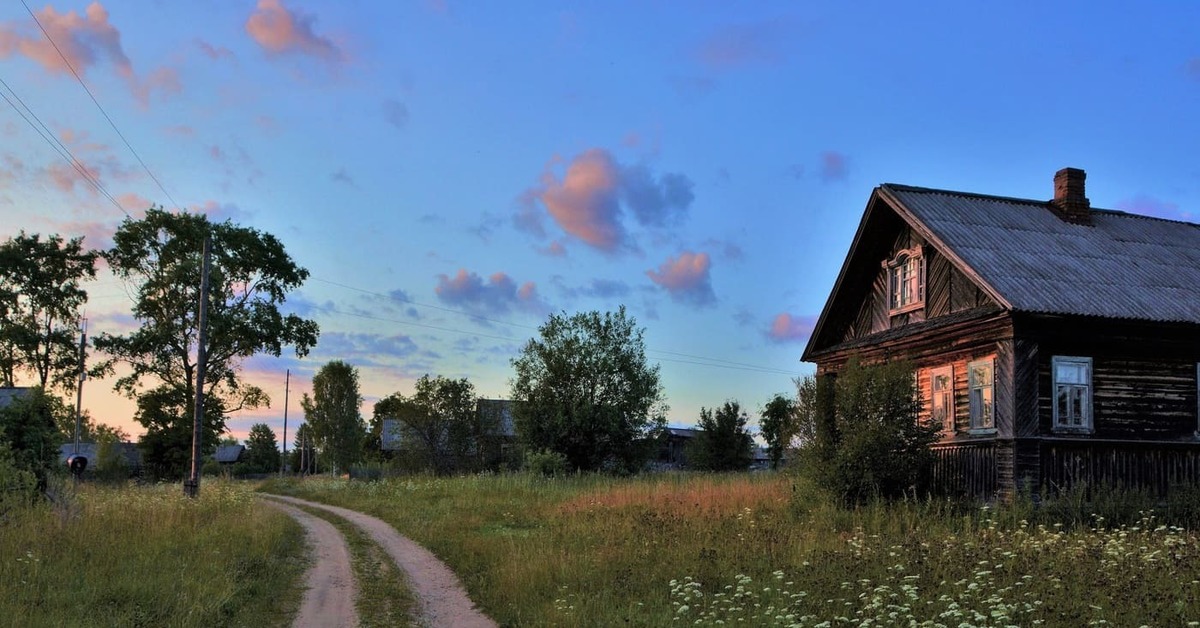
(84,41)
(686,278)
(787,328)
(585,203)
(281,31)
(590,200)
(498,294)
(833,166)
(179,130)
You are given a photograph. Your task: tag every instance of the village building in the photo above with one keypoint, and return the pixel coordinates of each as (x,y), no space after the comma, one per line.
(1055,344)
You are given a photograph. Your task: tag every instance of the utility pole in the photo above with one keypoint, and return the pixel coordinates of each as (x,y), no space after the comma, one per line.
(82,376)
(287,379)
(191,487)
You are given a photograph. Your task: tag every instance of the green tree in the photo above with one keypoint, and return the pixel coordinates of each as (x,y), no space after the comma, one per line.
(723,442)
(27,426)
(262,451)
(777,423)
(439,428)
(584,390)
(160,257)
(865,441)
(166,445)
(110,458)
(18,486)
(41,296)
(332,413)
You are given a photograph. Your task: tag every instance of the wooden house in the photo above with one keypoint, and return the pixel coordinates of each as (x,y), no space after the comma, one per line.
(1056,344)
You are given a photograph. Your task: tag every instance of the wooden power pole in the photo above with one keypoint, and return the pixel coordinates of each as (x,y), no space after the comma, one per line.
(287,380)
(191,487)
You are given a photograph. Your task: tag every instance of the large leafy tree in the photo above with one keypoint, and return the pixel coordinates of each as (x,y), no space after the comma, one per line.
(332,414)
(27,427)
(723,443)
(160,257)
(585,390)
(262,452)
(777,423)
(41,295)
(439,426)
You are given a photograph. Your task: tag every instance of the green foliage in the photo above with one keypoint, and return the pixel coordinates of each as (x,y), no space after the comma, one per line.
(440,429)
(160,258)
(40,302)
(262,452)
(723,442)
(110,463)
(865,439)
(332,414)
(585,390)
(778,426)
(27,425)
(303,458)
(18,487)
(545,462)
(166,413)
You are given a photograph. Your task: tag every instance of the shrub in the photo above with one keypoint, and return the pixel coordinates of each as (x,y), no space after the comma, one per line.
(545,462)
(864,437)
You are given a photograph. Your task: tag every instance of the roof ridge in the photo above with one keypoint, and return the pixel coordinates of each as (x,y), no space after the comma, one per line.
(915,188)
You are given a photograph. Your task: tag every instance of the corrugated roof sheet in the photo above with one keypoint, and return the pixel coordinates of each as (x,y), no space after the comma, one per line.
(229,453)
(1121,266)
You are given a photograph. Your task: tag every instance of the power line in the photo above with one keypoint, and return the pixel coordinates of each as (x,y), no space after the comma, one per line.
(97,103)
(63,151)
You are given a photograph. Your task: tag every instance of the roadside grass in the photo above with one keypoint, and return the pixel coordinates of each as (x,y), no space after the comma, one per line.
(383,598)
(762,549)
(148,556)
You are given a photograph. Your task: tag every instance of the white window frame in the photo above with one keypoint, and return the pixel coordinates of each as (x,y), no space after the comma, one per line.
(982,423)
(910,261)
(1086,415)
(947,419)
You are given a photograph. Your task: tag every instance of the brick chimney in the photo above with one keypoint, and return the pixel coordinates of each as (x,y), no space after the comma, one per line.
(1069,200)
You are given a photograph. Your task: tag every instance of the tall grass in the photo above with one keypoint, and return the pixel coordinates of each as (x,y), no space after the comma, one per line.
(147,556)
(763,550)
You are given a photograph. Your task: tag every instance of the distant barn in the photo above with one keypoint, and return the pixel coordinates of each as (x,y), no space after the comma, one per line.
(1056,344)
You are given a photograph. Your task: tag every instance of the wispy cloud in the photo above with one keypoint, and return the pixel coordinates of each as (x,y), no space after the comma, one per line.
(738,45)
(84,42)
(1150,206)
(788,328)
(686,278)
(279,30)
(395,113)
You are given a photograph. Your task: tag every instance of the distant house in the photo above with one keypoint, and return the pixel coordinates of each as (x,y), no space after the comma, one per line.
(1054,343)
(672,450)
(499,433)
(229,454)
(131,456)
(9,394)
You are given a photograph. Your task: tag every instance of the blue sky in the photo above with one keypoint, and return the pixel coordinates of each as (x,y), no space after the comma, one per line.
(451,173)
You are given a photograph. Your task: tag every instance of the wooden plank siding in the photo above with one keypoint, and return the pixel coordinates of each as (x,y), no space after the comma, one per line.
(970,469)
(1152,465)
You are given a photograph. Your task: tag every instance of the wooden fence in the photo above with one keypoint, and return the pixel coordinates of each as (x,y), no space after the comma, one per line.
(966,469)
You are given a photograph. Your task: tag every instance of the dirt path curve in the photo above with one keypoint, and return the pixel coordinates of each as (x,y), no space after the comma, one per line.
(329,596)
(442,599)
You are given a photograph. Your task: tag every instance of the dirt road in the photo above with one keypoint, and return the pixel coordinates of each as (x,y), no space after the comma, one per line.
(441,597)
(329,594)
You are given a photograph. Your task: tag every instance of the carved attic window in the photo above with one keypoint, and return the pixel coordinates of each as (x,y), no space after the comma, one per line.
(906,281)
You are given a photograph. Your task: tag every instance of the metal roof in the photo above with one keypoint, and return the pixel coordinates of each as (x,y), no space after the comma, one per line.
(229,453)
(1120,266)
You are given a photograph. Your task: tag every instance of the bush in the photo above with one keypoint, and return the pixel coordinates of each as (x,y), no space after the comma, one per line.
(864,440)
(545,462)
(18,487)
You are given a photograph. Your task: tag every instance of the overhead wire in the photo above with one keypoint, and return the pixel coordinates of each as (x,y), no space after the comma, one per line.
(96,102)
(55,144)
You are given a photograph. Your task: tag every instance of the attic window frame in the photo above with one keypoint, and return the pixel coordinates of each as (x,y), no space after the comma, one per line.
(895,269)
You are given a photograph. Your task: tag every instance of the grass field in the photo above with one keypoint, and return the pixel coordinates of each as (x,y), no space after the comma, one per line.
(147,556)
(714,550)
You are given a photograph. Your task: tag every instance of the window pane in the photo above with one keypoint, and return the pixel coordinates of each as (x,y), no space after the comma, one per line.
(1076,396)
(987,407)
(1070,373)
(1064,408)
